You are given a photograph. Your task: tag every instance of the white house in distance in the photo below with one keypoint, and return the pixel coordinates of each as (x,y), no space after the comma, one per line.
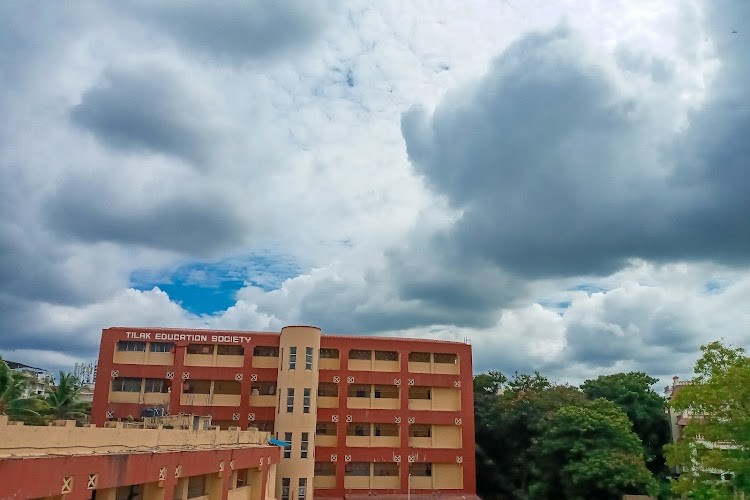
(39,377)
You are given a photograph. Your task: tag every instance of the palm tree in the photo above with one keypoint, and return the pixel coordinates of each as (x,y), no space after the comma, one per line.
(13,386)
(64,400)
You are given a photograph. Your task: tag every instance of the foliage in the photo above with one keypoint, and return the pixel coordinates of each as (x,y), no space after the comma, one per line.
(645,408)
(590,451)
(507,426)
(717,438)
(63,401)
(489,383)
(13,386)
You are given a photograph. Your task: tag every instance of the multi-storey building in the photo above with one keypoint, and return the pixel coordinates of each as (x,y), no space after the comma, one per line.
(124,462)
(363,414)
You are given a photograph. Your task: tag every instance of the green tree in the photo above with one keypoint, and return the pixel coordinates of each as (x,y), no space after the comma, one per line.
(589,451)
(716,441)
(13,386)
(64,400)
(489,383)
(508,424)
(645,408)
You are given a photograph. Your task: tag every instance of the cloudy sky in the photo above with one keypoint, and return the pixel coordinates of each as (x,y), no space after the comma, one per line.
(566,184)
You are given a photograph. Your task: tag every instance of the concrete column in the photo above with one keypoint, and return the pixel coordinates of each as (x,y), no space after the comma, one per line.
(297,422)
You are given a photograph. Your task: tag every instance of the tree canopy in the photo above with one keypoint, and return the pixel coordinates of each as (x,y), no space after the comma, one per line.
(716,440)
(645,408)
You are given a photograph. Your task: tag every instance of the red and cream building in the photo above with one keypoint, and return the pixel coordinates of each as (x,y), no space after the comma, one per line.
(364,415)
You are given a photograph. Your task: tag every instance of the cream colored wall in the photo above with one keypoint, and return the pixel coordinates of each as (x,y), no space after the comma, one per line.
(265,362)
(446,436)
(448,476)
(71,440)
(297,422)
(329,364)
(446,398)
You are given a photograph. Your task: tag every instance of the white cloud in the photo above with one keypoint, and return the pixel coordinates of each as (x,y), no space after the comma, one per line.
(289,143)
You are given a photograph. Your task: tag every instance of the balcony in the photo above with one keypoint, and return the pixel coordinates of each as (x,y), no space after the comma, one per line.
(421,482)
(242,493)
(386,482)
(379,361)
(261,400)
(226,400)
(155,398)
(437,363)
(124,397)
(357,482)
(434,398)
(265,357)
(160,358)
(130,357)
(326,441)
(324,482)
(373,397)
(329,359)
(435,436)
(328,402)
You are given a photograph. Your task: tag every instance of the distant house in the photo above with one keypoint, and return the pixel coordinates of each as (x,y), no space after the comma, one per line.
(38,376)
(679,419)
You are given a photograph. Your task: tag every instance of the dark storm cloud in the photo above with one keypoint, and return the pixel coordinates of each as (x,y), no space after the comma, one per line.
(237,29)
(557,172)
(198,223)
(149,109)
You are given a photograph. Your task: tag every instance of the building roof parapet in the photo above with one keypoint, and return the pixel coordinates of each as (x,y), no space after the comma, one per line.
(64,438)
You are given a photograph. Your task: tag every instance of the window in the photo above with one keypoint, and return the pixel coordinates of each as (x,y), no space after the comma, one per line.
(290,400)
(358,469)
(200,349)
(416,392)
(306,401)
(263,388)
(129,346)
(386,356)
(155,385)
(288,448)
(325,429)
(386,429)
(308,358)
(325,469)
(264,425)
(266,351)
(328,389)
(386,391)
(419,357)
(326,353)
(420,470)
(230,350)
(302,490)
(420,430)
(292,358)
(285,485)
(446,358)
(359,391)
(360,354)
(161,347)
(241,478)
(385,469)
(231,387)
(303,445)
(358,429)
(196,486)
(126,384)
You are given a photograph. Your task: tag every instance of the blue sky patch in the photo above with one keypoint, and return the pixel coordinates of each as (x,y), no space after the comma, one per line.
(210,287)
(588,288)
(715,286)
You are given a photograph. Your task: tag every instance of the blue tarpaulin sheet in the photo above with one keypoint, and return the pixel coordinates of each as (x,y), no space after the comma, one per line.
(279,442)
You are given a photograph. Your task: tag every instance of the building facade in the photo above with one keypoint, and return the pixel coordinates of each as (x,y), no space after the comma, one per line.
(123,462)
(363,414)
